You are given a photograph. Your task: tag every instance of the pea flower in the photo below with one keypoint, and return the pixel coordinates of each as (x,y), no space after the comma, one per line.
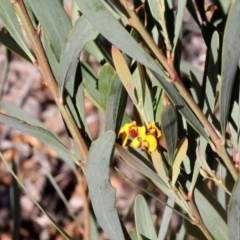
(145,142)
(140,139)
(132,130)
(153,130)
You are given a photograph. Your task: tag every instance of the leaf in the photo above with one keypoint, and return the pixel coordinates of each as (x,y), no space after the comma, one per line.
(38,132)
(159,166)
(182,150)
(55,22)
(178,22)
(116,104)
(128,82)
(9,42)
(210,216)
(166,218)
(90,85)
(81,33)
(230,57)
(225,4)
(234,213)
(143,219)
(105,78)
(124,73)
(10,21)
(101,192)
(170,130)
(92,48)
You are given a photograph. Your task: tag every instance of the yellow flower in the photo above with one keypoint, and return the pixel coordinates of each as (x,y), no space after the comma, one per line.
(145,142)
(153,130)
(132,130)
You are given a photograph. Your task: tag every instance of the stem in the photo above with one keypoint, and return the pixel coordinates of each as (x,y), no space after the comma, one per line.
(175,79)
(83,190)
(43,65)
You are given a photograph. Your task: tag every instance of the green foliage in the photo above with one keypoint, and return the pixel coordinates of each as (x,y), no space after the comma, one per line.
(196,111)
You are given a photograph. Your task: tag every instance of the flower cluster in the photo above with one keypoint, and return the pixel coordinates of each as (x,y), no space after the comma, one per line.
(143,138)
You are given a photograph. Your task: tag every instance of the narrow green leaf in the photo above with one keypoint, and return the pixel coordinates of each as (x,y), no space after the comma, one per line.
(166,218)
(21,115)
(101,192)
(234,213)
(17,112)
(54,21)
(91,85)
(10,21)
(230,57)
(210,216)
(181,152)
(81,33)
(154,8)
(105,79)
(9,42)
(116,104)
(225,4)
(143,219)
(61,230)
(170,130)
(158,164)
(92,48)
(178,22)
(41,133)
(124,74)
(80,107)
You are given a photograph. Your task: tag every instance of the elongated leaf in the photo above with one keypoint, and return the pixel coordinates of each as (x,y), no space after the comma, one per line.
(234,213)
(105,78)
(210,216)
(38,132)
(178,22)
(116,105)
(225,4)
(170,130)
(21,115)
(90,84)
(114,32)
(143,219)
(178,160)
(81,33)
(93,50)
(166,218)
(230,57)
(124,74)
(61,230)
(54,21)
(101,192)
(9,42)
(10,21)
